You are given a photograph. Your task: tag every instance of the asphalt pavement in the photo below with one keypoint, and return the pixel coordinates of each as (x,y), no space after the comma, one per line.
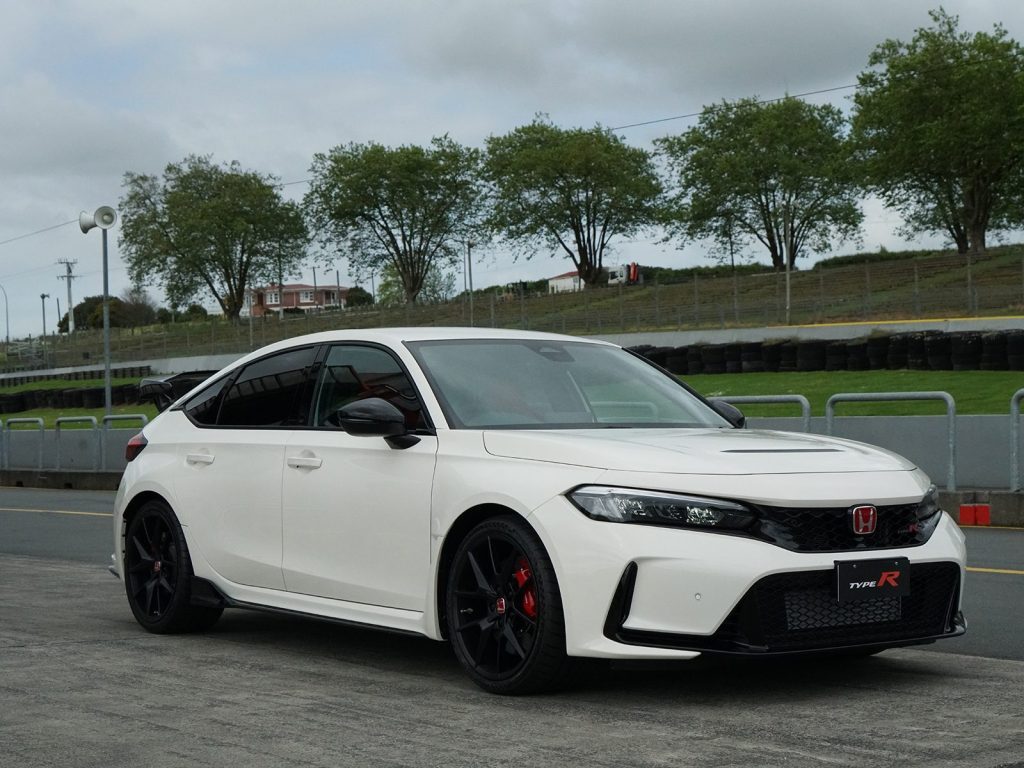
(81,684)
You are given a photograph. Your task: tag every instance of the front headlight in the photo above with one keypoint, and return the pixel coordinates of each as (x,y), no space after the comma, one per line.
(929,504)
(629,505)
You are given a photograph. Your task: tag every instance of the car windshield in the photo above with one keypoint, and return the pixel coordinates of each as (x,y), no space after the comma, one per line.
(540,384)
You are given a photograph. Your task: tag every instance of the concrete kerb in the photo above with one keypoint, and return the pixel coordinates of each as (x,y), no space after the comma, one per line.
(67,479)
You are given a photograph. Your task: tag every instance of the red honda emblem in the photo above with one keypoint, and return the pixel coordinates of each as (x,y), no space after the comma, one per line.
(864,520)
(500,606)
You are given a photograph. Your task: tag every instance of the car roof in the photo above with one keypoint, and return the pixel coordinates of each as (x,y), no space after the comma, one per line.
(396,336)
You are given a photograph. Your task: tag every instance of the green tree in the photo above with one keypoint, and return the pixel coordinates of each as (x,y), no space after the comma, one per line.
(209,228)
(407,208)
(88,308)
(570,189)
(775,173)
(939,126)
(137,308)
(438,286)
(358,297)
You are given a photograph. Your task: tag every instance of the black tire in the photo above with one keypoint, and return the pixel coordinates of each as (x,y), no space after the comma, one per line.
(504,610)
(158,574)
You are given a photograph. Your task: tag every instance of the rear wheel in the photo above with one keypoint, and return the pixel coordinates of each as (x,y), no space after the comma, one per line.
(158,574)
(504,610)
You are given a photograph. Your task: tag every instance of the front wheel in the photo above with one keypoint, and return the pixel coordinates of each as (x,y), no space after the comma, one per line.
(504,610)
(158,573)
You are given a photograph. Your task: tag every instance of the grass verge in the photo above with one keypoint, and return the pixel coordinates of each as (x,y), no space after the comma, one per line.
(975,392)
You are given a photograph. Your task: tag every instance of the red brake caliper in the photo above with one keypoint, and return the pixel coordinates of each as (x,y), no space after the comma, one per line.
(523,575)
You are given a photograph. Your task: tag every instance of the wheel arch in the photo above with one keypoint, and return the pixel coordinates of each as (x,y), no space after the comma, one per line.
(132,507)
(458,531)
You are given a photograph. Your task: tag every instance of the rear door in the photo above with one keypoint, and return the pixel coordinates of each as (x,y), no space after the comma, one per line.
(234,461)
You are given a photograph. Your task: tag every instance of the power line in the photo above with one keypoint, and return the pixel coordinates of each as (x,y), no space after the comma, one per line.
(887,74)
(37,232)
(761,101)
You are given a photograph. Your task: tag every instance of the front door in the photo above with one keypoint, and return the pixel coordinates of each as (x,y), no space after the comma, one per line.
(356,510)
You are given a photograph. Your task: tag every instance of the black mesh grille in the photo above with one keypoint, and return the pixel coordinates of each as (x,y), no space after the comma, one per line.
(814,609)
(790,612)
(830,529)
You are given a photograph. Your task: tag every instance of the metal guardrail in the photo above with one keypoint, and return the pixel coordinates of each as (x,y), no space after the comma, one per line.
(97,433)
(78,420)
(803,402)
(140,417)
(864,397)
(1015,439)
(38,423)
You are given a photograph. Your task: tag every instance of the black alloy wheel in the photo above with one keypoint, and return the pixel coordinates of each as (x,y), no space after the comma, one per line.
(504,610)
(158,573)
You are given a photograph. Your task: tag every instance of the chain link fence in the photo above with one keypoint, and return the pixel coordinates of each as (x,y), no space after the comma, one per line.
(928,287)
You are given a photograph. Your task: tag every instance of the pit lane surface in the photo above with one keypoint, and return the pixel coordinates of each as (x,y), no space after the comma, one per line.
(81,684)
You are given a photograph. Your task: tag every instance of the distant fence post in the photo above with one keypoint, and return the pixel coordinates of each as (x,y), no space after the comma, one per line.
(696,301)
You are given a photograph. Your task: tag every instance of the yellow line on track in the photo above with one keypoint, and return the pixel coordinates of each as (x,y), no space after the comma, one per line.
(1006,571)
(57,512)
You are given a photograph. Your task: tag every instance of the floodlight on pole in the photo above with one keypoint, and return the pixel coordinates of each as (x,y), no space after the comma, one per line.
(105,217)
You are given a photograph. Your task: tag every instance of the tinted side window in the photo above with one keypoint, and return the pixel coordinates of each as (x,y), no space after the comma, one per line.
(355,373)
(271,392)
(202,408)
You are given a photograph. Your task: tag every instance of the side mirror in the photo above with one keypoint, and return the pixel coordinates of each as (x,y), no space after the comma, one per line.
(374,417)
(730,413)
(160,391)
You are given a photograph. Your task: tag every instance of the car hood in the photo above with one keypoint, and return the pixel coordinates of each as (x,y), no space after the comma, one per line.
(694,451)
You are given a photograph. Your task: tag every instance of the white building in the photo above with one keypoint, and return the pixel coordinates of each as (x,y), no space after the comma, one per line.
(568,282)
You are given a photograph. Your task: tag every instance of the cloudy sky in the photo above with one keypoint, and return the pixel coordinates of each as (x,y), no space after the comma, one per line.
(92,89)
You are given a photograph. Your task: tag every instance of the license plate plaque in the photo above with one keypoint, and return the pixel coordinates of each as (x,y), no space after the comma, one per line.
(872,579)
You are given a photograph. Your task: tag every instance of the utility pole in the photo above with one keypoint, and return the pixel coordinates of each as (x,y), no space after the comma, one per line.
(68,263)
(787,246)
(42,298)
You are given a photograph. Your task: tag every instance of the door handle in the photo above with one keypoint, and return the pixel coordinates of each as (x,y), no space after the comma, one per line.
(305,462)
(199,458)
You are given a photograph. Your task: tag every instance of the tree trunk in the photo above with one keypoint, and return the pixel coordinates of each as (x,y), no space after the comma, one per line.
(976,237)
(590,274)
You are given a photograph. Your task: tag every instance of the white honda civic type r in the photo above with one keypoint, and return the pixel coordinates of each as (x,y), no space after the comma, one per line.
(531,498)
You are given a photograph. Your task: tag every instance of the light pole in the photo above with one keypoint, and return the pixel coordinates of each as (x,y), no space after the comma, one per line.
(42,298)
(105,217)
(469,270)
(7,317)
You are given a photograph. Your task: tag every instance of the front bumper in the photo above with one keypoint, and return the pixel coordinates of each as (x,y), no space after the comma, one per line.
(644,592)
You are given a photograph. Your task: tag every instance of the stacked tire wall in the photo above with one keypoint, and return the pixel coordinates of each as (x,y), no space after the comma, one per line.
(922,351)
